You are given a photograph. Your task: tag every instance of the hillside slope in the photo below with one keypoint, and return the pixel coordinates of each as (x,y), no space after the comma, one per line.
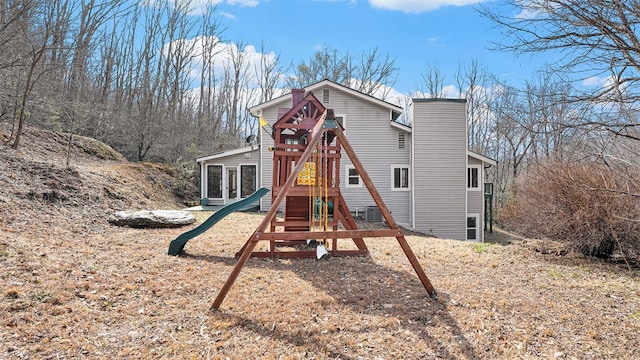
(55,177)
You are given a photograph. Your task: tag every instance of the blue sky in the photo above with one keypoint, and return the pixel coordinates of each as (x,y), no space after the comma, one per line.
(415,32)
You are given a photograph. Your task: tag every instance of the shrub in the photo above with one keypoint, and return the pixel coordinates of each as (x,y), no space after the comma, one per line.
(593,206)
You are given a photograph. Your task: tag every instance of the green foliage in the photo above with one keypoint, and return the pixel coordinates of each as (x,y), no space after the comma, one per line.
(187,176)
(555,274)
(44,297)
(480,247)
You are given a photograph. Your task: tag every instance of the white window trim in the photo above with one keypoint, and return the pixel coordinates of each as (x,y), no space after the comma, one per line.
(222,175)
(240,178)
(393,168)
(480,186)
(466,228)
(346,177)
(225,193)
(344,121)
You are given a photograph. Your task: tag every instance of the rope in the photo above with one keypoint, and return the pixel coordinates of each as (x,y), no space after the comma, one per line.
(325,179)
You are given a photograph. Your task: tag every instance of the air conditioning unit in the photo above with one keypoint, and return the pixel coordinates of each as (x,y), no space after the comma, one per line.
(372,214)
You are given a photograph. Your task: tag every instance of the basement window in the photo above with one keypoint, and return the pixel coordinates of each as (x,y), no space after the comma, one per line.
(473,220)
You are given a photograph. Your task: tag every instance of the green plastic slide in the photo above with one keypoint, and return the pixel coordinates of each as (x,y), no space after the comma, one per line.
(177,244)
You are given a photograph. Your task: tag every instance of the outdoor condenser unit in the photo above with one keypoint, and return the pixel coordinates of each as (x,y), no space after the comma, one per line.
(372,214)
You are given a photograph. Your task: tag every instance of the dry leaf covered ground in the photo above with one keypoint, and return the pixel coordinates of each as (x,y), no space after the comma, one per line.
(75,287)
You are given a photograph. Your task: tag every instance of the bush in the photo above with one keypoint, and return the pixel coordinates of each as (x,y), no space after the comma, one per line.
(187,180)
(593,206)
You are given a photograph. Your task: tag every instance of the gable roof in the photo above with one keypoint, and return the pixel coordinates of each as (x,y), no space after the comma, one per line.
(400,126)
(481,158)
(396,110)
(223,154)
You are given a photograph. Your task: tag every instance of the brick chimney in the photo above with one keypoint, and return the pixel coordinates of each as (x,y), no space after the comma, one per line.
(296,96)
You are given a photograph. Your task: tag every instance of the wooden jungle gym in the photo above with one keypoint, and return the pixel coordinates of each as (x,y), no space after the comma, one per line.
(308,142)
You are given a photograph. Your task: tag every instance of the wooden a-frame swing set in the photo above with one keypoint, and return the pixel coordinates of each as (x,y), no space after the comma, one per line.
(306,179)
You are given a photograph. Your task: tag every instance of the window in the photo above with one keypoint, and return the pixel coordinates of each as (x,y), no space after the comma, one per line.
(341,120)
(400,140)
(353,179)
(214,181)
(472,227)
(400,178)
(247,180)
(473,177)
(232,182)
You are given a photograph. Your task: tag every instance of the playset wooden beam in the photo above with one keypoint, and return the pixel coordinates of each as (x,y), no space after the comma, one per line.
(316,135)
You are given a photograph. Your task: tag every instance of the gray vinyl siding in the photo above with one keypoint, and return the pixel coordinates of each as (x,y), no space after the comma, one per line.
(475,198)
(374,141)
(266,156)
(440,159)
(248,158)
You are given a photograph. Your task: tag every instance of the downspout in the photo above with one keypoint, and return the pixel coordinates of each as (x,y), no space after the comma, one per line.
(260,147)
(413,188)
(203,181)
(484,203)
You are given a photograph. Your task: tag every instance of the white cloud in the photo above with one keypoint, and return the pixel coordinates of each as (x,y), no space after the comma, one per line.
(242,3)
(448,92)
(526,13)
(220,52)
(249,3)
(434,41)
(451,92)
(531,9)
(596,81)
(197,7)
(228,15)
(418,6)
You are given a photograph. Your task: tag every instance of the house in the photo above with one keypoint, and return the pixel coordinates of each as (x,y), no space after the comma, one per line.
(424,172)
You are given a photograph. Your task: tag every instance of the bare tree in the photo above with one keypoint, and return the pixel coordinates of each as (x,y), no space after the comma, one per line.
(373,75)
(36,37)
(83,109)
(477,87)
(209,118)
(326,63)
(433,82)
(513,142)
(140,129)
(14,17)
(237,71)
(268,73)
(585,39)
(92,16)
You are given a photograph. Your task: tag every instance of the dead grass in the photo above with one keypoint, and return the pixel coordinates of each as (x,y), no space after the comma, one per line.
(75,287)
(115,293)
